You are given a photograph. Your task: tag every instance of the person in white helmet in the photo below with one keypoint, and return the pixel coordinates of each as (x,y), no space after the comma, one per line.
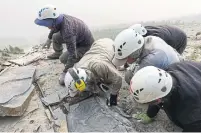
(95,72)
(65,29)
(172,35)
(177,91)
(133,48)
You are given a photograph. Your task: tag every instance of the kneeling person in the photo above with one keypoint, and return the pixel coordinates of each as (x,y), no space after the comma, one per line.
(65,29)
(95,72)
(172,35)
(133,48)
(176,90)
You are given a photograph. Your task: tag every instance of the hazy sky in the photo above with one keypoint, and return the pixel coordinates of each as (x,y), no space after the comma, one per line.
(17,16)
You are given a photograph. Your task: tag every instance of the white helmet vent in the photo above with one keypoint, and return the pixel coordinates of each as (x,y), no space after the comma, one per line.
(139,42)
(160,75)
(120,49)
(69,86)
(164,89)
(139,28)
(166,74)
(137,92)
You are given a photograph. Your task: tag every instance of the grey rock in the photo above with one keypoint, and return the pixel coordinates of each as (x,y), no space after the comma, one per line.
(93,115)
(26,60)
(15,82)
(60,123)
(55,98)
(16,90)
(18,105)
(51,99)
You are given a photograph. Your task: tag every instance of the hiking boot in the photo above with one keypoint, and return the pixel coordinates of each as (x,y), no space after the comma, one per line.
(54,56)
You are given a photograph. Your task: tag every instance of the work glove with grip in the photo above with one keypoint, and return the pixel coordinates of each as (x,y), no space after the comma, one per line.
(113,100)
(142,117)
(47,44)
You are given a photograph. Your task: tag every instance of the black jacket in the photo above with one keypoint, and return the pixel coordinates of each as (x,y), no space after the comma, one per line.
(183,103)
(76,34)
(172,35)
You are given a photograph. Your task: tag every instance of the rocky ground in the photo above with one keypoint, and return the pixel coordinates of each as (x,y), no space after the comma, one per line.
(48,72)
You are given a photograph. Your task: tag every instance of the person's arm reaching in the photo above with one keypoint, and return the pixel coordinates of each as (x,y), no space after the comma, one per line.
(103,71)
(111,77)
(157,59)
(52,31)
(153,110)
(72,53)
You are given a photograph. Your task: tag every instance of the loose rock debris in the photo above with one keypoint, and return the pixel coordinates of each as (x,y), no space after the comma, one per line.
(26,60)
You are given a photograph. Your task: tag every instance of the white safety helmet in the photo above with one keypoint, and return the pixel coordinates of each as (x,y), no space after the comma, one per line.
(150,83)
(48,11)
(139,28)
(127,42)
(75,77)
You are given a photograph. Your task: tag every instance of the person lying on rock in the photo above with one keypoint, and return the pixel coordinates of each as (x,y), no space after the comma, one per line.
(177,91)
(95,72)
(65,29)
(139,51)
(172,35)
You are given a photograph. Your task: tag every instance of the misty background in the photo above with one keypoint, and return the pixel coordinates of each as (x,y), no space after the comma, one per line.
(17,16)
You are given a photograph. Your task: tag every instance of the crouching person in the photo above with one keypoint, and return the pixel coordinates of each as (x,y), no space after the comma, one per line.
(65,29)
(172,35)
(133,48)
(176,90)
(95,72)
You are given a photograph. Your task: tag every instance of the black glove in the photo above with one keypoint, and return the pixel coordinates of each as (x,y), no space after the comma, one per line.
(62,79)
(113,100)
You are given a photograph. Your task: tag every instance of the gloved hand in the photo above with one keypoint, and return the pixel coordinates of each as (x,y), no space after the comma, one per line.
(62,78)
(113,100)
(142,117)
(47,44)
